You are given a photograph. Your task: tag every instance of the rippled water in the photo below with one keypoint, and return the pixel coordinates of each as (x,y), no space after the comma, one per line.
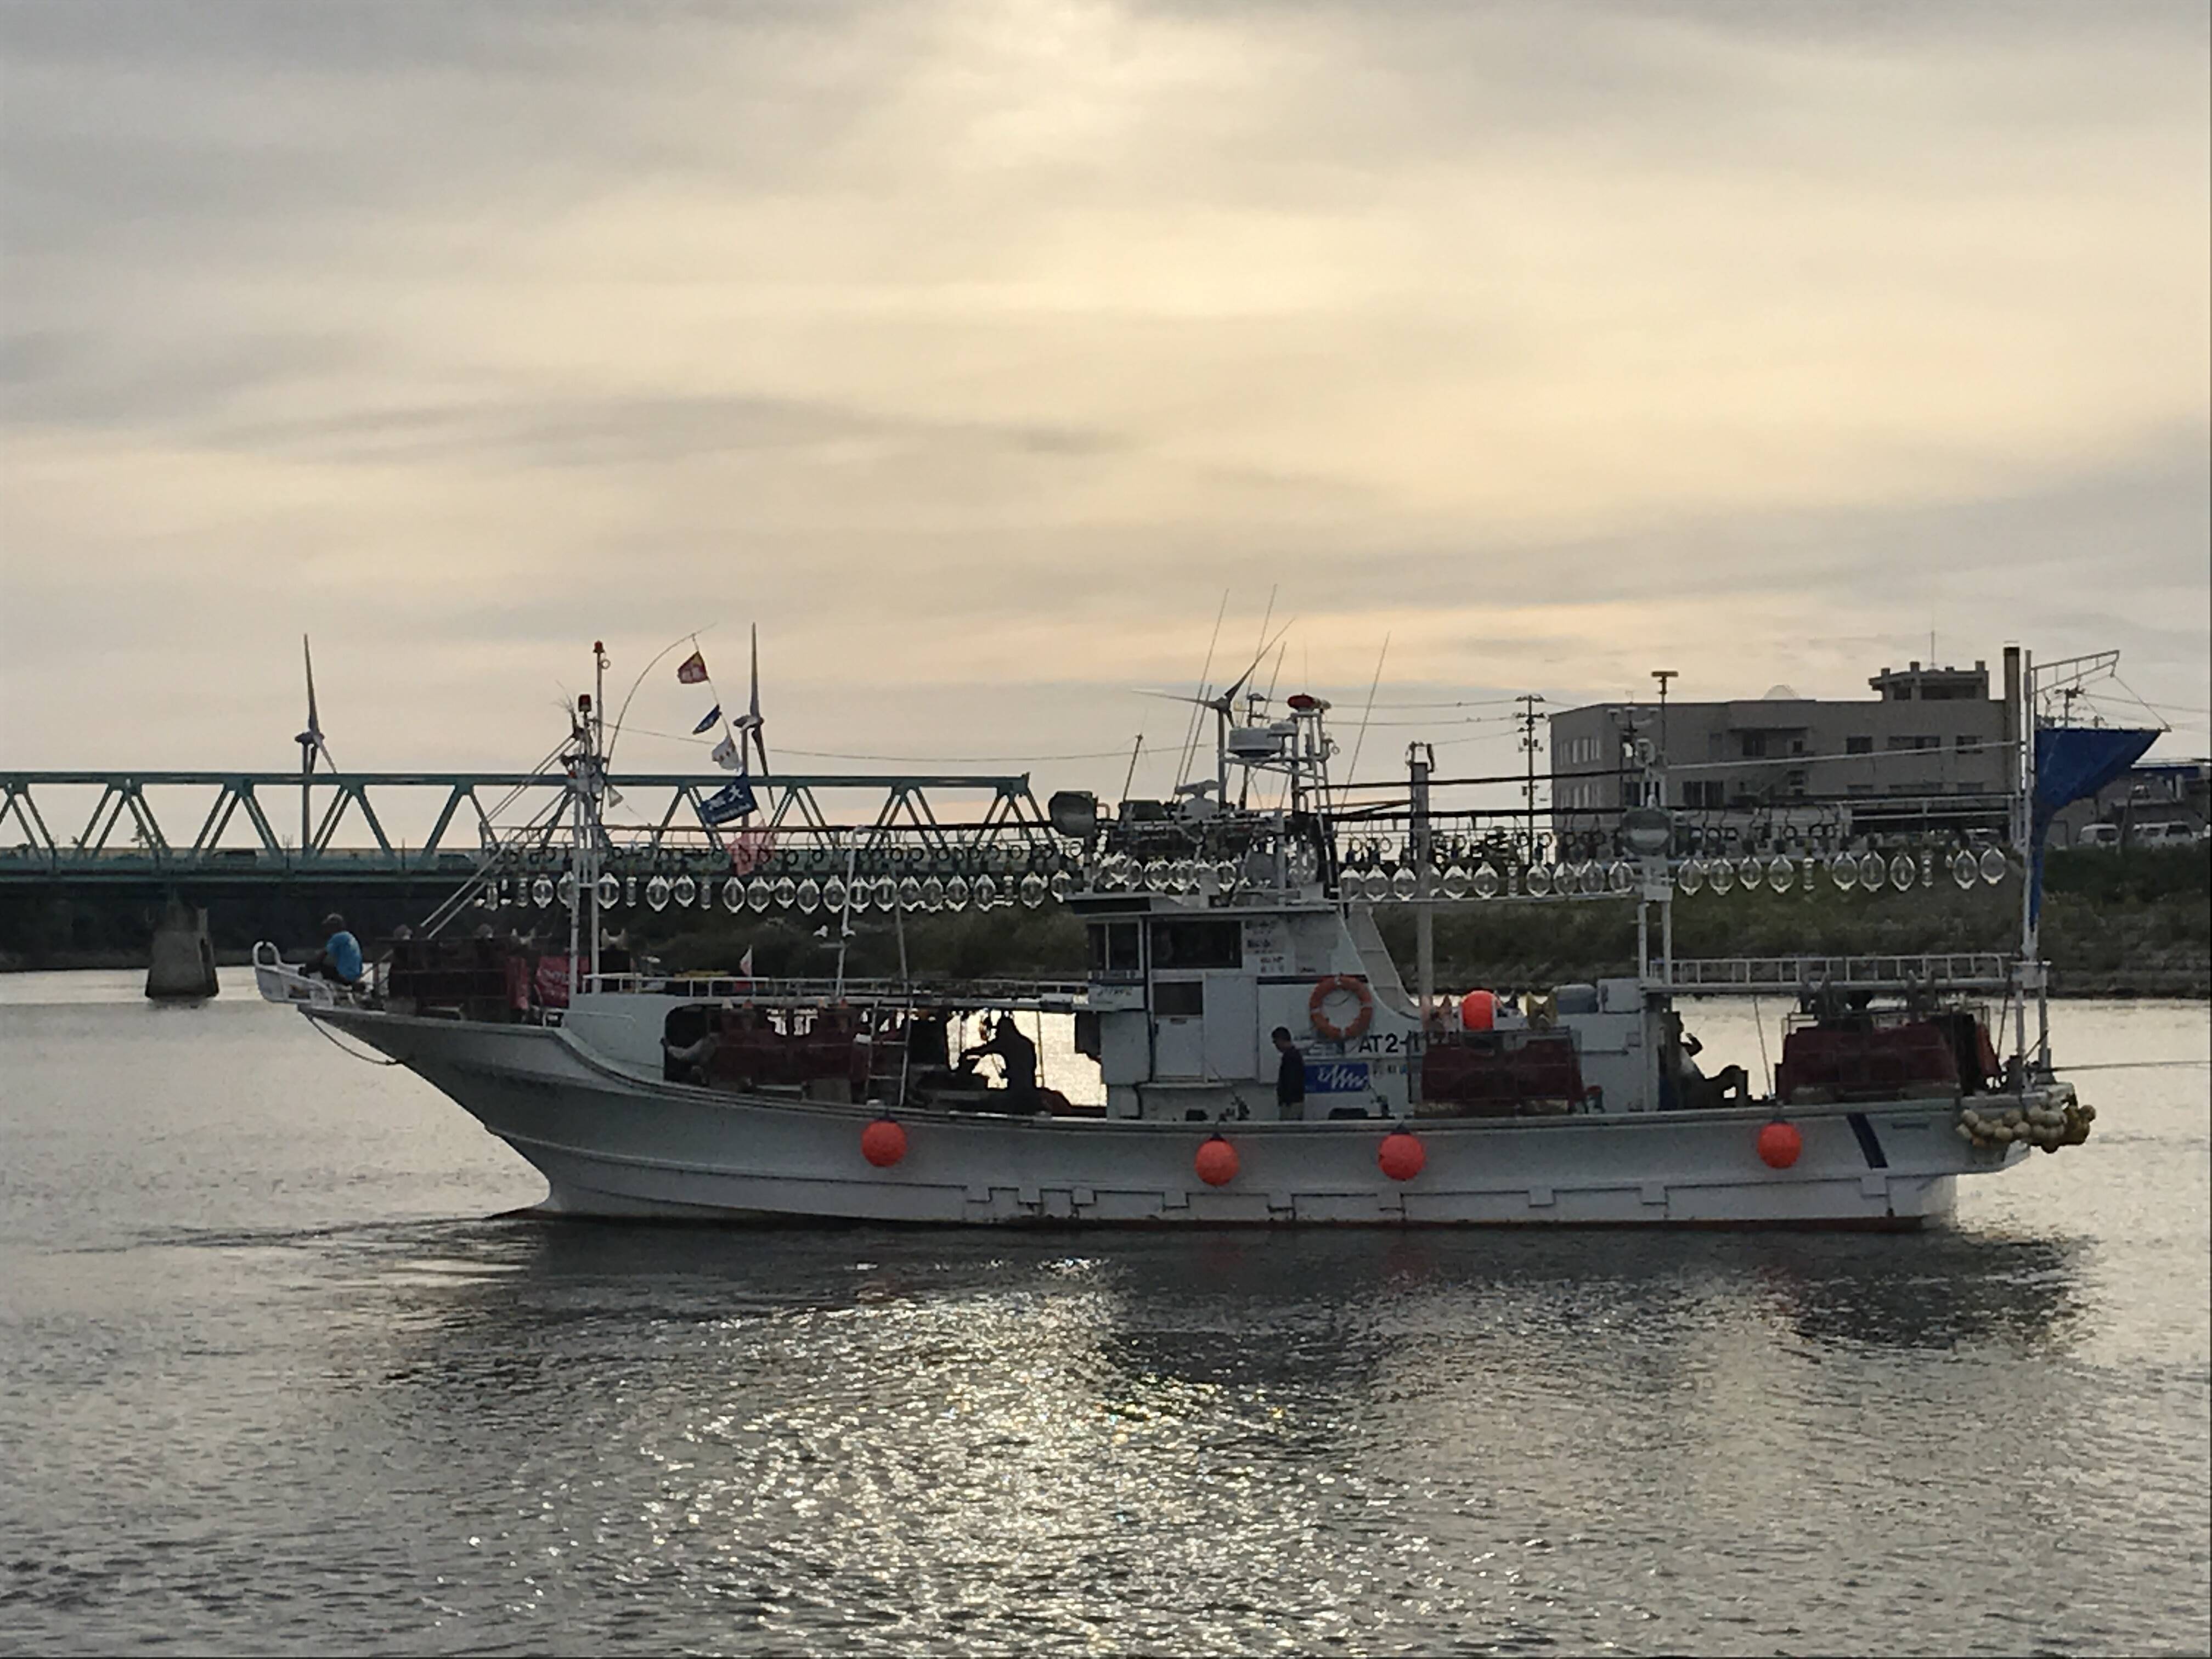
(275,1379)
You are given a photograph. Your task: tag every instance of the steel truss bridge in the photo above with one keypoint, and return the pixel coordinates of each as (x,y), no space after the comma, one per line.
(197,827)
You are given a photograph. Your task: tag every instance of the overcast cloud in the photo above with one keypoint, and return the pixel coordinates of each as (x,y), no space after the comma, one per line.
(974,349)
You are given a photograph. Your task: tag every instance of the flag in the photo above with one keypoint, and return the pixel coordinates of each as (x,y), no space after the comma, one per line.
(745,963)
(749,849)
(725,755)
(692,671)
(709,720)
(733,800)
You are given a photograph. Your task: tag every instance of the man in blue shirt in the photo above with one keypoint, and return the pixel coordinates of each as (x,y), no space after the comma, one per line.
(340,958)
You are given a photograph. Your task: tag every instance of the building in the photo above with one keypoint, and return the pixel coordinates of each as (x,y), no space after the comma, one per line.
(1931,743)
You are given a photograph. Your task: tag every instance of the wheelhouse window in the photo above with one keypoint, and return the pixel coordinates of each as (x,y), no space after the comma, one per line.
(1114,948)
(1198,945)
(1179,999)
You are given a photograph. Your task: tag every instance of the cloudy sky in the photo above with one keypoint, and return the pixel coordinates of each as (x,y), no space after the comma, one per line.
(976,350)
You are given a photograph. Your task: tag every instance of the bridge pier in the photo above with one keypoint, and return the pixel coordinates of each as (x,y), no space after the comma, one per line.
(181,964)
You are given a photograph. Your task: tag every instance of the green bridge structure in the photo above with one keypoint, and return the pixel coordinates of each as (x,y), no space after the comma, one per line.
(187,828)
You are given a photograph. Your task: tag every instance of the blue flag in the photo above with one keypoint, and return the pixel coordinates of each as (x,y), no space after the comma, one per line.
(707,722)
(733,799)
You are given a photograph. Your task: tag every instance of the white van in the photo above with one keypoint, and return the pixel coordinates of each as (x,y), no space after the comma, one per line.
(2098,834)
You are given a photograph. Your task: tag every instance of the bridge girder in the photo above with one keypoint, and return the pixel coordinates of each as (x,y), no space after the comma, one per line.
(894,811)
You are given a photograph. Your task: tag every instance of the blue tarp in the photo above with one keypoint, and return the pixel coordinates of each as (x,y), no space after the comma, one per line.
(2073,762)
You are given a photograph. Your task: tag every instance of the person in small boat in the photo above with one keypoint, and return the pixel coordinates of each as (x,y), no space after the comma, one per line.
(1017,1057)
(339,960)
(1289,1075)
(688,1062)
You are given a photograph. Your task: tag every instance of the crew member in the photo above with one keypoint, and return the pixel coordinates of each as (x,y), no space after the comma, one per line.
(1018,1058)
(688,1061)
(339,960)
(1289,1075)
(1683,1085)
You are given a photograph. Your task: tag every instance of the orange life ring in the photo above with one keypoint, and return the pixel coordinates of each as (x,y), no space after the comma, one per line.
(1326,986)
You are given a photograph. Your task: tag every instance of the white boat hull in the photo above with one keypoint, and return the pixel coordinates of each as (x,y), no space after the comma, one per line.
(614,1142)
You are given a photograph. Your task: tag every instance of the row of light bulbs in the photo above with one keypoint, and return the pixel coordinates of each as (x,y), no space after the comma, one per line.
(1868,871)
(834,897)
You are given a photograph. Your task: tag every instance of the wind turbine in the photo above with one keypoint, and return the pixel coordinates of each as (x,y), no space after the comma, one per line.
(310,741)
(1224,707)
(749,722)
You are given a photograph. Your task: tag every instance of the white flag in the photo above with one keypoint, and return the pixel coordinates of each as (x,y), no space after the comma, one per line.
(725,756)
(745,963)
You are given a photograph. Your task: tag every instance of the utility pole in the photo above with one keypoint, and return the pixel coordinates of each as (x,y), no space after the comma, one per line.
(1663,675)
(1529,745)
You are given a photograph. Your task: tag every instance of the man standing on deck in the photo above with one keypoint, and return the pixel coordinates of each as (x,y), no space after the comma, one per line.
(1290,1077)
(1017,1056)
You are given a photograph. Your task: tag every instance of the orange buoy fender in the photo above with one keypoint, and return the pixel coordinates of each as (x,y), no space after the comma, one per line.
(883,1143)
(1217,1162)
(1779,1143)
(1402,1155)
(1478,1010)
(1327,987)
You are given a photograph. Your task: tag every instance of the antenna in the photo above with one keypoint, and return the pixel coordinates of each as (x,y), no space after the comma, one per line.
(1135,750)
(1352,772)
(1190,732)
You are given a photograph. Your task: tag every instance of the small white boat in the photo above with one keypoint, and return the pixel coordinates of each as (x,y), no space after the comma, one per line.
(1212,925)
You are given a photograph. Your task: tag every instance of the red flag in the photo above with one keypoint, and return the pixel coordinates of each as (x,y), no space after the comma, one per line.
(693,669)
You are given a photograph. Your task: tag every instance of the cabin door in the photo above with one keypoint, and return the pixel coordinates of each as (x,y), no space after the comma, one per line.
(1232,1026)
(1179,1020)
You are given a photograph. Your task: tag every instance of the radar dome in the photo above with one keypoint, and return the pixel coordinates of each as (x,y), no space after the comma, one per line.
(1782,694)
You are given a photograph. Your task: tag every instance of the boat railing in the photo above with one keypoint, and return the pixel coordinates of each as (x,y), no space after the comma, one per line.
(1980,970)
(1048,996)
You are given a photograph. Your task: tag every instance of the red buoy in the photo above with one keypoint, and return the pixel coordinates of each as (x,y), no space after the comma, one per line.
(1779,1143)
(1402,1155)
(1478,1010)
(1217,1162)
(883,1143)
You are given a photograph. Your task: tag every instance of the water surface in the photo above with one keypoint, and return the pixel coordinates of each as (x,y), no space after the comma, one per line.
(276,1376)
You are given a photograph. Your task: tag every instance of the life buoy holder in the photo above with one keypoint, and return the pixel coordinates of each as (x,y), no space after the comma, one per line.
(1327,986)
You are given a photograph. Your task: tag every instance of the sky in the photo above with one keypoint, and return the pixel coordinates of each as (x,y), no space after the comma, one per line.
(980,352)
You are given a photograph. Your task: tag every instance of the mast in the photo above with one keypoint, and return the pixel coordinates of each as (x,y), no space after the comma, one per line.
(2030,940)
(577,875)
(596,745)
(1421,762)
(2019,708)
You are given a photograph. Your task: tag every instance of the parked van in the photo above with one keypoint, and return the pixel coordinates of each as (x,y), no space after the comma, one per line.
(2098,834)
(2176,834)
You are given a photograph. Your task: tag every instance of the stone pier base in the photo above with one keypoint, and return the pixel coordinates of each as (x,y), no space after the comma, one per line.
(182,967)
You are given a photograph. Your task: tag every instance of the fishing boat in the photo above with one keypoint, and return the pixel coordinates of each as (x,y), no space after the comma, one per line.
(1258,1057)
